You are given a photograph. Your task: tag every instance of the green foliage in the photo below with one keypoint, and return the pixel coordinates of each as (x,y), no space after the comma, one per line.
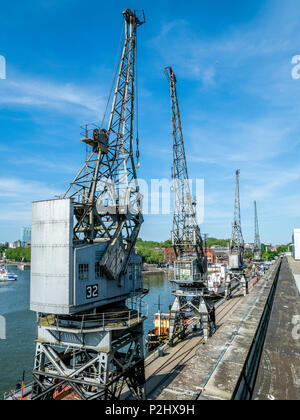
(249,255)
(18,253)
(283,248)
(147,249)
(2,249)
(152,252)
(153,244)
(270,255)
(217,242)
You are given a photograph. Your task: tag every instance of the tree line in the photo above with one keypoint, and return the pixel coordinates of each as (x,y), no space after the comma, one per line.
(18,254)
(151,251)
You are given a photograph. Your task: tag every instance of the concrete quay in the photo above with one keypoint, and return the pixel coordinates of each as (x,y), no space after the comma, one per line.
(279,371)
(193,370)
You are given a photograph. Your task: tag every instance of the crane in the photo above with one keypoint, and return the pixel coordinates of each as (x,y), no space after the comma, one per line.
(190,267)
(186,232)
(86,282)
(257,243)
(236,248)
(106,194)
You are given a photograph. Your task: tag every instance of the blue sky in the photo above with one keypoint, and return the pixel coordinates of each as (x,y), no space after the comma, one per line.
(239,103)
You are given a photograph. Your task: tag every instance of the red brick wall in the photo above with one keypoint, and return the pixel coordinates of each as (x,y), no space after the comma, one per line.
(170,255)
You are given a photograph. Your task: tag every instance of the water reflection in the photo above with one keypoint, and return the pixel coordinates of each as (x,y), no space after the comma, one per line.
(160,290)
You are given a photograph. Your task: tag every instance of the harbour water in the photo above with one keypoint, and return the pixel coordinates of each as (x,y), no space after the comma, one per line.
(17,350)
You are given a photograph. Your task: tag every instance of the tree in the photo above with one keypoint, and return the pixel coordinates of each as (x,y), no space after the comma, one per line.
(217,242)
(18,254)
(249,255)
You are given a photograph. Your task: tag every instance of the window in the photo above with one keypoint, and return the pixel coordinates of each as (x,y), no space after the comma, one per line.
(130,272)
(137,272)
(98,271)
(83,271)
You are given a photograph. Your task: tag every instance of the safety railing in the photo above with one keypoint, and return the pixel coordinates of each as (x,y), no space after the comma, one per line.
(116,319)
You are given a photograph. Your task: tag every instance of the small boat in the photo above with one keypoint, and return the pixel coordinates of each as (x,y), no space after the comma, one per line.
(24,393)
(6,276)
(160,333)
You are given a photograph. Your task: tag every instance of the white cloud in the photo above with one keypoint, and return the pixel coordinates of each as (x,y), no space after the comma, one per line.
(22,90)
(16,197)
(24,190)
(40,162)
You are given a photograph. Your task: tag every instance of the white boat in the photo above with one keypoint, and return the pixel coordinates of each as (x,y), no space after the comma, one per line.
(6,276)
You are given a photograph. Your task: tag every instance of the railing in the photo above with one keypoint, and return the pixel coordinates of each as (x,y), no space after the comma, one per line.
(87,130)
(118,319)
(246,384)
(193,278)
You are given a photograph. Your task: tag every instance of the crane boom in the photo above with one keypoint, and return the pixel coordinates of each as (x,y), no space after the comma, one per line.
(257,243)
(190,267)
(236,250)
(237,241)
(186,232)
(85,271)
(106,193)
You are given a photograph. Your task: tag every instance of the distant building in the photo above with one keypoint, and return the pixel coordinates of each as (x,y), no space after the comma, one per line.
(296,244)
(25,235)
(170,256)
(221,254)
(159,249)
(249,247)
(16,244)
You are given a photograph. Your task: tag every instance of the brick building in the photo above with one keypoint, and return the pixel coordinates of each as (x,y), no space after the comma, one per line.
(170,255)
(221,254)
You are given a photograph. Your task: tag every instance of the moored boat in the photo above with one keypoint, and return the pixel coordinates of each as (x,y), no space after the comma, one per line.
(6,276)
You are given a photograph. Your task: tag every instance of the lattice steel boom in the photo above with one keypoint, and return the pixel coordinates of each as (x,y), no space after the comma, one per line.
(186,232)
(106,192)
(257,243)
(191,296)
(237,241)
(236,251)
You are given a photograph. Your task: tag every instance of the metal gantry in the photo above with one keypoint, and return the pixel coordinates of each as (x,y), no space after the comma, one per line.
(91,344)
(236,247)
(190,267)
(257,244)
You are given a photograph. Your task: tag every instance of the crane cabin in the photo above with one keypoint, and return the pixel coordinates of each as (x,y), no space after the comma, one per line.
(67,277)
